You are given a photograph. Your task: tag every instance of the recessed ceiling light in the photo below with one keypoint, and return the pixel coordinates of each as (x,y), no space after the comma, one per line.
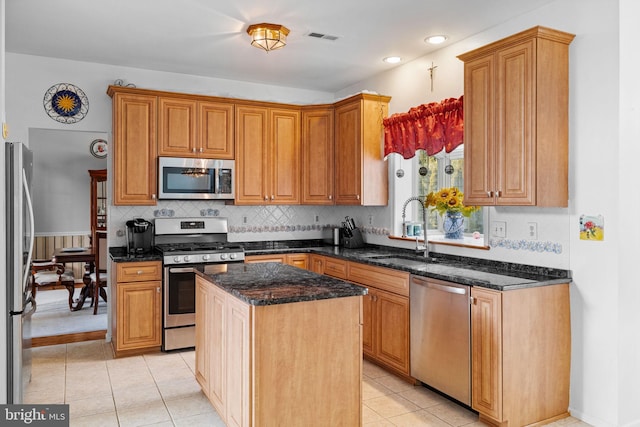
(435,39)
(392,59)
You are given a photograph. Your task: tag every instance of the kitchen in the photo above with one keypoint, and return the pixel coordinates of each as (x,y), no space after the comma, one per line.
(603,368)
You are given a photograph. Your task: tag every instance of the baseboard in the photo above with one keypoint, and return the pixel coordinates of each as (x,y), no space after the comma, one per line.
(68,338)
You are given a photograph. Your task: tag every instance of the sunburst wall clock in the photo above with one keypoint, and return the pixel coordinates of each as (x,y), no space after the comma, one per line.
(66,103)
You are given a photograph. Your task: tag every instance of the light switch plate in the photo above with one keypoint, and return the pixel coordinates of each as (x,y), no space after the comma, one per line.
(499,229)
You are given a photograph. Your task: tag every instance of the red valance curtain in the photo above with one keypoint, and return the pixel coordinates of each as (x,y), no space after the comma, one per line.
(431,127)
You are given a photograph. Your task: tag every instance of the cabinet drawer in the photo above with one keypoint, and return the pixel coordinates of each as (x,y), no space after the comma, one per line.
(335,267)
(138,271)
(379,277)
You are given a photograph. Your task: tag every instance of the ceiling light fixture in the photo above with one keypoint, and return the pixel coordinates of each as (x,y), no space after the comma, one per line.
(436,39)
(268,36)
(392,59)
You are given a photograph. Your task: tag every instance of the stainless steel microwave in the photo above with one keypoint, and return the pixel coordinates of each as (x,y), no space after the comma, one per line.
(200,179)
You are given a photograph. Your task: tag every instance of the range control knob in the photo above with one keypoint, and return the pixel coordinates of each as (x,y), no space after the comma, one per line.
(223,256)
(206,257)
(232,256)
(187,258)
(176,259)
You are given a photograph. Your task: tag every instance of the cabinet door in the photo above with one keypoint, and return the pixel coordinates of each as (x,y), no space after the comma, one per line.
(317,263)
(216,126)
(348,154)
(479,151)
(392,330)
(284,151)
(202,353)
(177,127)
(139,315)
(134,149)
(486,352)
(281,258)
(217,349)
(317,157)
(238,369)
(515,121)
(298,260)
(251,146)
(368,324)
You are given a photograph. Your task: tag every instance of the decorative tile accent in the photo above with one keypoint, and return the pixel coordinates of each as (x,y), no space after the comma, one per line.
(163,213)
(526,245)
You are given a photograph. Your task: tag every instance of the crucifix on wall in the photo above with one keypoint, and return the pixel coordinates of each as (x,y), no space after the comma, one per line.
(433,67)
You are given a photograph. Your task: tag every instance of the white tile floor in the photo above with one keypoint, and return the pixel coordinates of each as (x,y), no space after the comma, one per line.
(160,390)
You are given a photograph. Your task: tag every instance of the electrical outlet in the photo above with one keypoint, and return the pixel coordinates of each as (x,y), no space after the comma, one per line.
(499,229)
(533,230)
(316,218)
(244,219)
(370,219)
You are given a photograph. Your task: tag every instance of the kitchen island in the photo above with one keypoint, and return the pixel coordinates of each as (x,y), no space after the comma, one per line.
(276,345)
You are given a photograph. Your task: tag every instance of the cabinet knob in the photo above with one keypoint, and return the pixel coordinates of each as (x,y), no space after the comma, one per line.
(153,196)
(139,272)
(158,289)
(273,197)
(498,193)
(266,198)
(358,197)
(489,193)
(201,149)
(193,150)
(330,197)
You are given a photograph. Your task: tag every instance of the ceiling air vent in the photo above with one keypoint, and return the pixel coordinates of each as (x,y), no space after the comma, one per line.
(322,36)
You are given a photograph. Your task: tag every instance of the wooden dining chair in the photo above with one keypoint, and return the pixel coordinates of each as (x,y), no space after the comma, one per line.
(99,275)
(49,275)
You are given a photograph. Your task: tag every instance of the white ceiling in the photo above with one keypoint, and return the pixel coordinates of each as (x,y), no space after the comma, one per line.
(208,37)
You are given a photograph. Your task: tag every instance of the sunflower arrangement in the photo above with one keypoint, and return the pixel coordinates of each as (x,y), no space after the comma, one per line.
(449,200)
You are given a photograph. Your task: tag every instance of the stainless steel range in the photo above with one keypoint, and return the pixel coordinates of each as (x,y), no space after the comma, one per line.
(187,245)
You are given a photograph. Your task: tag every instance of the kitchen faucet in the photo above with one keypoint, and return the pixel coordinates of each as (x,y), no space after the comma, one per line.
(424,249)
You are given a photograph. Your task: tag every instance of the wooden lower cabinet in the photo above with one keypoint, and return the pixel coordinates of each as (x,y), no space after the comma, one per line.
(137,307)
(385,312)
(275,365)
(521,354)
(296,260)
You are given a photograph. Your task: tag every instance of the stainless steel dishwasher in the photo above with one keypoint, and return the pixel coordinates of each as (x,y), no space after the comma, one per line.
(441,336)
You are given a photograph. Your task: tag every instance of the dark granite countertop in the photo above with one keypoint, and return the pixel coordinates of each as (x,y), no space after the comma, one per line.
(496,275)
(274,283)
(119,254)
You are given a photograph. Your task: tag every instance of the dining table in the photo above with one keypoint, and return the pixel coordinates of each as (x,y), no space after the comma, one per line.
(80,254)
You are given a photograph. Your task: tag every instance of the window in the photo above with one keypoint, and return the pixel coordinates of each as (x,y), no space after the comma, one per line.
(440,171)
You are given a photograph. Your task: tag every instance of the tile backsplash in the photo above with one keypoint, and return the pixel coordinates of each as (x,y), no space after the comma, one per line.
(255,223)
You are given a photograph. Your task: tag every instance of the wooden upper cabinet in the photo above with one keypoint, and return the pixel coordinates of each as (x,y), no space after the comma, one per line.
(177,127)
(317,156)
(360,170)
(134,148)
(216,125)
(285,156)
(190,128)
(268,147)
(516,120)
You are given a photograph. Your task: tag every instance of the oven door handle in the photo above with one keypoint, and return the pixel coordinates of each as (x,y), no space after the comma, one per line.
(182,270)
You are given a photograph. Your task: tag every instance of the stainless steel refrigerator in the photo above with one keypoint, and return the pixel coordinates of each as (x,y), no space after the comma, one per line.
(19,240)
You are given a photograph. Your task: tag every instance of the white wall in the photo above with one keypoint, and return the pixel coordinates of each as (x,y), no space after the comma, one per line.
(3,232)
(628,313)
(61,182)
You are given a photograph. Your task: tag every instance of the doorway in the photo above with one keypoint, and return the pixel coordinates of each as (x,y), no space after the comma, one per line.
(61,193)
